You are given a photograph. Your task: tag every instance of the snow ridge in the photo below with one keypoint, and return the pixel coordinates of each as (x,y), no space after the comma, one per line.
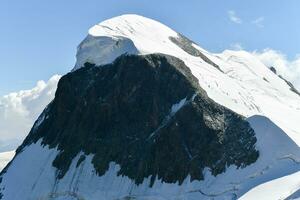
(243,83)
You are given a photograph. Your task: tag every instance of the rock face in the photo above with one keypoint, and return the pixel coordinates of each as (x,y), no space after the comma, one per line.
(292,87)
(187,45)
(149,115)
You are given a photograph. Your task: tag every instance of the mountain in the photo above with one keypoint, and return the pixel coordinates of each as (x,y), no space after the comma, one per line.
(5,157)
(148,114)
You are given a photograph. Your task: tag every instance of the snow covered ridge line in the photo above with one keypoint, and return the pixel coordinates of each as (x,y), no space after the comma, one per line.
(107,41)
(5,158)
(237,80)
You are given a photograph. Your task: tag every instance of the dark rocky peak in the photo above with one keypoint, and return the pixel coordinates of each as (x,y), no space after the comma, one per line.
(149,115)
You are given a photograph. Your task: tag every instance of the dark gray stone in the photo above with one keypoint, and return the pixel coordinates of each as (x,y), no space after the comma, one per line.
(187,45)
(121,112)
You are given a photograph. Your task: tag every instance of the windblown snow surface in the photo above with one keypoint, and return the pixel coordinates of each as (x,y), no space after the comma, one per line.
(5,157)
(235,79)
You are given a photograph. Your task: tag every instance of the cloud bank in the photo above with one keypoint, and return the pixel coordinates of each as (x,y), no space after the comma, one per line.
(19,110)
(289,69)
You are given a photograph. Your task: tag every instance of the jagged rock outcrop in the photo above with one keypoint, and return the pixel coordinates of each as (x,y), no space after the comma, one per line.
(149,115)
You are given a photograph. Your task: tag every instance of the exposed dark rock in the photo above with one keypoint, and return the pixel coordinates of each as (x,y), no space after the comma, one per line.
(292,87)
(264,78)
(187,45)
(273,70)
(122,113)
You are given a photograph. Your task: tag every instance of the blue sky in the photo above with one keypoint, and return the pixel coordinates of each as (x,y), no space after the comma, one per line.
(39,38)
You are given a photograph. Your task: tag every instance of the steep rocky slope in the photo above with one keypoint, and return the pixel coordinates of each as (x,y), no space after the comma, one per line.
(149,115)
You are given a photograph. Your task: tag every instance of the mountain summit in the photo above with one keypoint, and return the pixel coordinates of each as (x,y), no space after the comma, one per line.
(148,114)
(131,34)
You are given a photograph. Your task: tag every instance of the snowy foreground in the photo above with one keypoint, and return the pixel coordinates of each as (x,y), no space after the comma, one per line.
(242,84)
(277,160)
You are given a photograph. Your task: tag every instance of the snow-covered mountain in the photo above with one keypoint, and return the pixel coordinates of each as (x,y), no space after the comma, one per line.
(171,121)
(5,157)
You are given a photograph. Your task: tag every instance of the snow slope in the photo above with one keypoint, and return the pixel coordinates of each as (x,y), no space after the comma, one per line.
(279,188)
(5,157)
(82,182)
(242,83)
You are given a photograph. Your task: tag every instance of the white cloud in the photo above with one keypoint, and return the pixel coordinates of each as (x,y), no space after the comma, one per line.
(19,110)
(233,17)
(259,22)
(236,46)
(289,69)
